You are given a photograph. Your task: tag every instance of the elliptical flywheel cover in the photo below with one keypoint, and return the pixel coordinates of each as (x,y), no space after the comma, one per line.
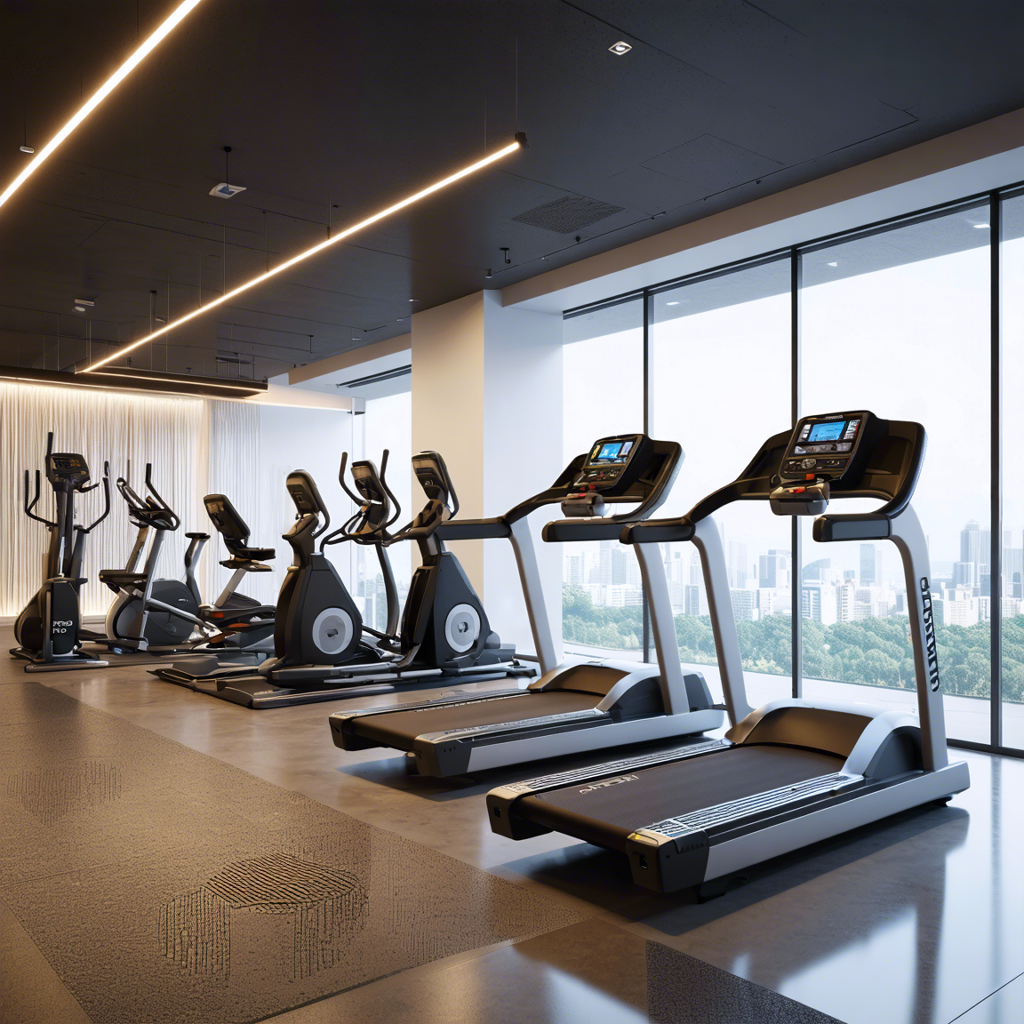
(332,630)
(462,627)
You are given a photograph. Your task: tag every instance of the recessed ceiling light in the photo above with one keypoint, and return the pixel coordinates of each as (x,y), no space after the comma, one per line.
(84,302)
(981,227)
(414,300)
(79,309)
(676,303)
(101,94)
(833,264)
(620,48)
(26,149)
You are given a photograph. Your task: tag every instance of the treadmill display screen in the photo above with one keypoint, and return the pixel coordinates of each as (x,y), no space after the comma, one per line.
(827,431)
(614,453)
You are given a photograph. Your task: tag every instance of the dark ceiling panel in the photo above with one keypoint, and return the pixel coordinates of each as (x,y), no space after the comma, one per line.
(712,164)
(336,110)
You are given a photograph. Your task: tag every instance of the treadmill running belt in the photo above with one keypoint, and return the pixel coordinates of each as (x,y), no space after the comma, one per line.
(407,725)
(679,787)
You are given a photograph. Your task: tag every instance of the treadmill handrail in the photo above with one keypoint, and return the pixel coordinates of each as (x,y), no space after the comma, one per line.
(474,529)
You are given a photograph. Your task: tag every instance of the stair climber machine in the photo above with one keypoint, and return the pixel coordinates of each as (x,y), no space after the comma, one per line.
(795,771)
(48,631)
(321,652)
(571,708)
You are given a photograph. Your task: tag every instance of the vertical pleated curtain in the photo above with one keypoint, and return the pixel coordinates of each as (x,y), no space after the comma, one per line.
(171,433)
(235,470)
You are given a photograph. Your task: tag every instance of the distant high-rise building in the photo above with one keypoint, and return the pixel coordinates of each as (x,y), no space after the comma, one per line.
(965,574)
(975,546)
(739,566)
(744,604)
(868,574)
(817,571)
(845,601)
(693,603)
(773,570)
(620,565)
(818,602)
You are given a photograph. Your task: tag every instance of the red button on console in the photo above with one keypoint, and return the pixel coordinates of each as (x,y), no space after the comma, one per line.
(797,490)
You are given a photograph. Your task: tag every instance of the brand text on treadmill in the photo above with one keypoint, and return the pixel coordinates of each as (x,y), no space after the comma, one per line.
(604,784)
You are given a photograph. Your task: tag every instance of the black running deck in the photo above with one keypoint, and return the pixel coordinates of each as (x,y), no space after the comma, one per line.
(606,811)
(400,729)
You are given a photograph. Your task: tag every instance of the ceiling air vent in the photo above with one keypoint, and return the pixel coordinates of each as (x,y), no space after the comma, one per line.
(376,378)
(568,214)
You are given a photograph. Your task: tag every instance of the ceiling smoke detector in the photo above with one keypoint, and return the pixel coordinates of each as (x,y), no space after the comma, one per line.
(225,191)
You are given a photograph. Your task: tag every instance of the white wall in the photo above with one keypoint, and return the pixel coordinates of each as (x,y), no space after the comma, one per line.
(299,438)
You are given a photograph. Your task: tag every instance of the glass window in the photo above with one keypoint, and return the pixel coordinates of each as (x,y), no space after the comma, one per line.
(603,363)
(720,386)
(898,322)
(1013,472)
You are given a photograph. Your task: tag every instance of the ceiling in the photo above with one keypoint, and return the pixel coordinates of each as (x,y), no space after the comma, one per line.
(334,110)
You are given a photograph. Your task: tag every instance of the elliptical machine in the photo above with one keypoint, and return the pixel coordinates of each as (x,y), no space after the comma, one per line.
(48,630)
(316,620)
(151,614)
(322,655)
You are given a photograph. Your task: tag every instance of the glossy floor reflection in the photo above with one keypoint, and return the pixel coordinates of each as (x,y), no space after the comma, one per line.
(916,921)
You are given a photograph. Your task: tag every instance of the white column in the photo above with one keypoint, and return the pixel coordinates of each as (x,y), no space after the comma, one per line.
(487,394)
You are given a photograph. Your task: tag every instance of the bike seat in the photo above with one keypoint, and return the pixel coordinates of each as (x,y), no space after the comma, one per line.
(251,554)
(198,536)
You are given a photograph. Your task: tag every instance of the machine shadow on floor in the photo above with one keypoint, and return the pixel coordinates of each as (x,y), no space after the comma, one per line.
(602,877)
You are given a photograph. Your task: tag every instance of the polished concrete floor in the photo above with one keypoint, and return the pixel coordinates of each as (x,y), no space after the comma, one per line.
(921,920)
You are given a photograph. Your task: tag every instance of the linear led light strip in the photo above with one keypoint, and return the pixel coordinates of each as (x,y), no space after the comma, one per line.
(101,94)
(190,394)
(194,381)
(281,267)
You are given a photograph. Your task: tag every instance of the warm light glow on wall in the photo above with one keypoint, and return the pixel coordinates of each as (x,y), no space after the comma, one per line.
(281,267)
(101,94)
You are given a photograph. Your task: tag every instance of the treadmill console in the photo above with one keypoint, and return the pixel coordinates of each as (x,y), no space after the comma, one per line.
(611,466)
(67,468)
(821,450)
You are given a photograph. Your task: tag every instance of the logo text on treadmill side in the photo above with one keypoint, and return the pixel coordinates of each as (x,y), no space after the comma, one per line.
(930,649)
(605,783)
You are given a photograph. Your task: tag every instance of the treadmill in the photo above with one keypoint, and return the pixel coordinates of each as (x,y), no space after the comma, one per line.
(795,771)
(571,708)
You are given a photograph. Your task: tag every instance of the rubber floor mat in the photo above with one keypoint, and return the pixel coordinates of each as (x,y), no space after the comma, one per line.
(164,885)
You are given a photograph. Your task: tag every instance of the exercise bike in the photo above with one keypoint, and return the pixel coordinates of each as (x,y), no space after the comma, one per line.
(48,630)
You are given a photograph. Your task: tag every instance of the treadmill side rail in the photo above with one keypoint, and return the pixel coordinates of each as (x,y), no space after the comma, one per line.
(683,855)
(447,756)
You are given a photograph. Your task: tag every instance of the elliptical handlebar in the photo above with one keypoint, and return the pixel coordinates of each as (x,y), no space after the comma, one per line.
(349,530)
(387,490)
(160,501)
(341,480)
(29,505)
(106,499)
